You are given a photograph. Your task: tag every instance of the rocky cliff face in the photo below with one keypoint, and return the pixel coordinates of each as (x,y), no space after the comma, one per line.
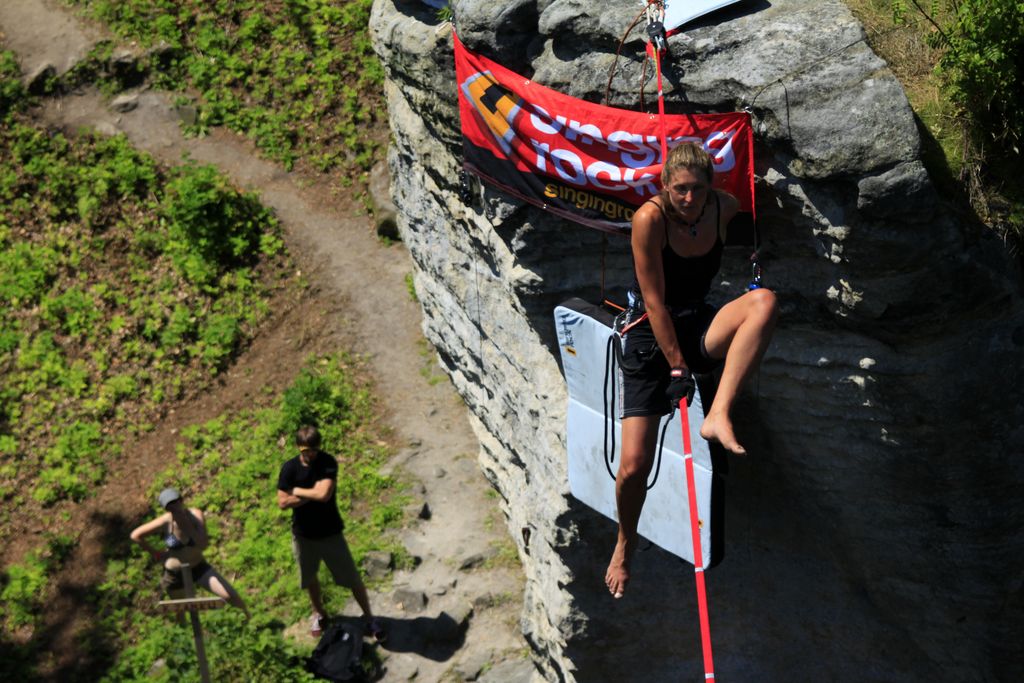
(875,531)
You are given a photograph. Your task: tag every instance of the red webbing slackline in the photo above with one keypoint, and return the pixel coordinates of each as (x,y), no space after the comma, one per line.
(691,487)
(698,559)
(661,103)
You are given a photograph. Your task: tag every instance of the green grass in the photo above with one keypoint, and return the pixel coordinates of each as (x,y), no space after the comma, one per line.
(115,296)
(900,35)
(410,287)
(24,583)
(228,466)
(121,283)
(506,555)
(958,63)
(125,284)
(297,76)
(429,369)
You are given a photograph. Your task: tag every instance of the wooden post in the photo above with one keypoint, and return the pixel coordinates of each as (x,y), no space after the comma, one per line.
(193,605)
(197,629)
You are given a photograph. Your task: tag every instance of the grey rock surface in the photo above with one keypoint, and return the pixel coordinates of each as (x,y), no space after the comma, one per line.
(61,42)
(409,599)
(124,103)
(384,211)
(469,668)
(36,80)
(377,563)
(473,560)
(877,522)
(518,671)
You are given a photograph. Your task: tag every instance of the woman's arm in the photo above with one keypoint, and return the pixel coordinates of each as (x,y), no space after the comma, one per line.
(139,534)
(648,240)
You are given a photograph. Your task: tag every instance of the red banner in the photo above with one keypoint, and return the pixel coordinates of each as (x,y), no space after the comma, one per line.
(590,164)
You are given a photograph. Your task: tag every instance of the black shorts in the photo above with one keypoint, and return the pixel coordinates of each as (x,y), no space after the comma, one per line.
(644,371)
(174,581)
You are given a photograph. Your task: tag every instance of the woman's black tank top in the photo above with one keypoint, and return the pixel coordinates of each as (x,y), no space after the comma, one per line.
(688,278)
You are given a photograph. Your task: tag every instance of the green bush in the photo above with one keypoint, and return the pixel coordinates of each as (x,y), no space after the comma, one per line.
(983,75)
(12,93)
(978,121)
(299,77)
(983,65)
(26,272)
(24,584)
(75,463)
(73,311)
(219,339)
(310,400)
(211,226)
(121,285)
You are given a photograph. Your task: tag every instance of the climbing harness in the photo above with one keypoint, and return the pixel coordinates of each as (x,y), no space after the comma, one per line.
(614,359)
(698,560)
(465,192)
(755,272)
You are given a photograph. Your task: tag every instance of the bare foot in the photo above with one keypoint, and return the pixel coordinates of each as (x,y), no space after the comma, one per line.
(617,575)
(718,427)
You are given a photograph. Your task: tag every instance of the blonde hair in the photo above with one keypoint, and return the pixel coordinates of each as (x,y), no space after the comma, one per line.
(690,155)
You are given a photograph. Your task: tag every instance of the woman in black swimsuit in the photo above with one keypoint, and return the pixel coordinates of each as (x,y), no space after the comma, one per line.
(677,244)
(184,540)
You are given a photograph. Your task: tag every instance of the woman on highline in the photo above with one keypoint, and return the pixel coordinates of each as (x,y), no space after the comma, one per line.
(677,242)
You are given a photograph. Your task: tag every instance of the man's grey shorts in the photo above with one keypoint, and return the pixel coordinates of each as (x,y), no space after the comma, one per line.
(334,552)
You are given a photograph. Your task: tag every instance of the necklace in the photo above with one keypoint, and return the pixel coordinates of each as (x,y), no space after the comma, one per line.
(693,226)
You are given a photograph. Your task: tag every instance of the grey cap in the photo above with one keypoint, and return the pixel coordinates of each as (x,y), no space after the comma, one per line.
(168,496)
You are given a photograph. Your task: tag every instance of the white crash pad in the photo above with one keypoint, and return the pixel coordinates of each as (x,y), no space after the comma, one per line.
(678,12)
(583,333)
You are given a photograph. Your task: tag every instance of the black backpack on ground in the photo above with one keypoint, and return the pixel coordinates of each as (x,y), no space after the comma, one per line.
(337,656)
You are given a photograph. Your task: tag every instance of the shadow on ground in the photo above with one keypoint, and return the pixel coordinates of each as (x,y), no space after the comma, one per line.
(436,638)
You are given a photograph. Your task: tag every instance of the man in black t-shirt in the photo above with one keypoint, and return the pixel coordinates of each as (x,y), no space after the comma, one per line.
(306,487)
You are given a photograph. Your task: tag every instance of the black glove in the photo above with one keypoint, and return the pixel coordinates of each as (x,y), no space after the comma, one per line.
(682,385)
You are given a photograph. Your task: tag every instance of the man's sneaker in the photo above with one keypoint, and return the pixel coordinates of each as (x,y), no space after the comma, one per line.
(316,625)
(377,630)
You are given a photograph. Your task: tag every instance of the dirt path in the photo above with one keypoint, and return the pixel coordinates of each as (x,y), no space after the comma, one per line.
(360,300)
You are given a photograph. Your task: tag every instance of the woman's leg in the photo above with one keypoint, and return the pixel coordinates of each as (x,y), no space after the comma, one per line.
(219,586)
(639,436)
(739,333)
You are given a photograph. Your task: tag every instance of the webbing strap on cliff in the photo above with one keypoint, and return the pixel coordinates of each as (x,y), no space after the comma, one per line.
(698,559)
(655,48)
